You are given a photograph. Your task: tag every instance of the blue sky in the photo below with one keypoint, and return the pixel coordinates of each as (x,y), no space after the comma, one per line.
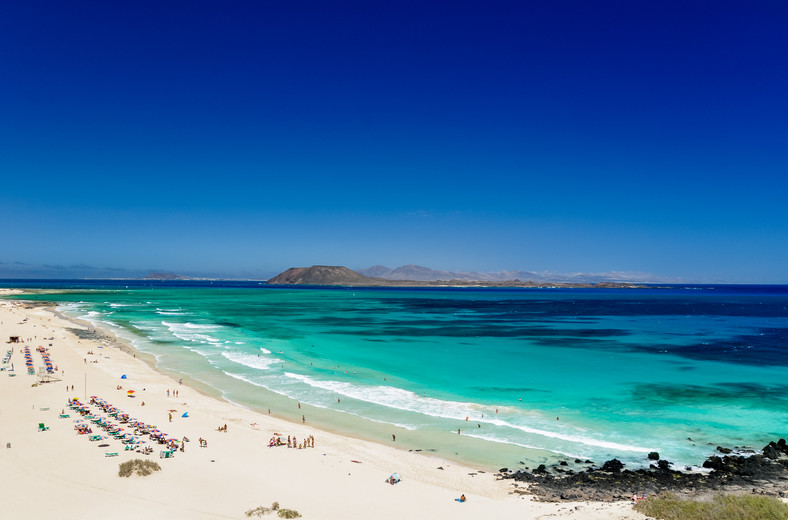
(242,138)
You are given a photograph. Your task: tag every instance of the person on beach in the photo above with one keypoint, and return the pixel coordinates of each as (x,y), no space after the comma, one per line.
(393,437)
(462,498)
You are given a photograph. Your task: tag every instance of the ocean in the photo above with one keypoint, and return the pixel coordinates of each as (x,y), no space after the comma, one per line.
(527,376)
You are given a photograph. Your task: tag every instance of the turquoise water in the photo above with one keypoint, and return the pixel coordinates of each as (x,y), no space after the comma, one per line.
(540,375)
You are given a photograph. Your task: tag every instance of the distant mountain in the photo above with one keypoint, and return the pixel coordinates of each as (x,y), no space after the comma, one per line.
(376,271)
(414,272)
(323,275)
(165,276)
(425,274)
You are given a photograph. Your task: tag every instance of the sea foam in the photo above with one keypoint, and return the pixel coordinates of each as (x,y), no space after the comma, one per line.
(405,400)
(251,360)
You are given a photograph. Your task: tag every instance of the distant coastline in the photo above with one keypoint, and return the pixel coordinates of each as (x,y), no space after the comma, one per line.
(342,276)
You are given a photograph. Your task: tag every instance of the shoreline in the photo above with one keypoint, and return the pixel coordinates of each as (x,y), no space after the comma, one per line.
(464,450)
(237,467)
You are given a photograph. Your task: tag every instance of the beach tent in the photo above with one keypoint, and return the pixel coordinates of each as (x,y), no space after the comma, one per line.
(393,479)
(123,376)
(185,414)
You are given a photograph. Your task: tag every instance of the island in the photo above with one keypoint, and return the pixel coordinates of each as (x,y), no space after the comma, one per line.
(342,276)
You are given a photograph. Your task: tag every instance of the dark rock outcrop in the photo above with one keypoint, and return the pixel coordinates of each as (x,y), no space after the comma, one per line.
(775,450)
(730,473)
(613,466)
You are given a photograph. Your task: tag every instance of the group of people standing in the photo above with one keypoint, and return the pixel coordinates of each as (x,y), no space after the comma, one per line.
(292,442)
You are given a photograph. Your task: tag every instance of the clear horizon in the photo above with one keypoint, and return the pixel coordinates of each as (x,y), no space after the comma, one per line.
(246,138)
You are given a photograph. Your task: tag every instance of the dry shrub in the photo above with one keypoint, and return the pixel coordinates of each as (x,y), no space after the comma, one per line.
(138,467)
(258,511)
(283,513)
(667,506)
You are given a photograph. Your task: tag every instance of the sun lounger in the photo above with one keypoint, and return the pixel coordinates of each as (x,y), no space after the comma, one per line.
(64,416)
(167,454)
(42,428)
(95,437)
(111,454)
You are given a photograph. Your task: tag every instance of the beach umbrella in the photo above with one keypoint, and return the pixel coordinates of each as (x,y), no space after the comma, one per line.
(130,392)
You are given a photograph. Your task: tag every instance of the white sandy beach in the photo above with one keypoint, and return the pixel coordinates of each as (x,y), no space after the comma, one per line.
(60,474)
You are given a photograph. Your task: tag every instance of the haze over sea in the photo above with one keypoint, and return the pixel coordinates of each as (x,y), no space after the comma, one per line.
(528,375)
